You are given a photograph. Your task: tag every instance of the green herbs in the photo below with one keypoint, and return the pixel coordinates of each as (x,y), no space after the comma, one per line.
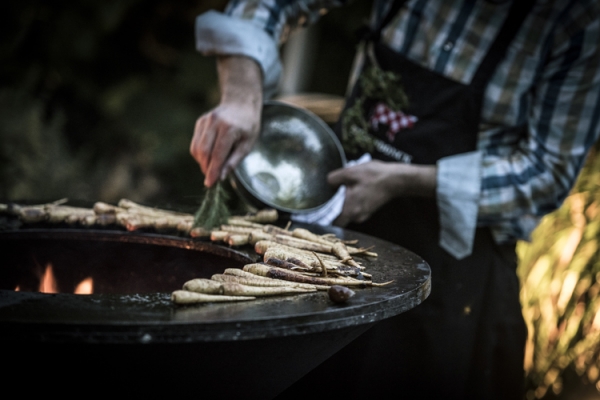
(214,209)
(384,86)
(376,85)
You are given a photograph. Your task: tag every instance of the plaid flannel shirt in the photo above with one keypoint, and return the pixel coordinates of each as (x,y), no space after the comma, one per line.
(548,81)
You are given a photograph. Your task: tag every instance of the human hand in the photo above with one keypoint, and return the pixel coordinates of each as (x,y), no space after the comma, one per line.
(226,134)
(222,137)
(371,185)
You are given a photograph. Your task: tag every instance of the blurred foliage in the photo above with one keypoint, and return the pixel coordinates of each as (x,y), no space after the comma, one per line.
(99,98)
(560,275)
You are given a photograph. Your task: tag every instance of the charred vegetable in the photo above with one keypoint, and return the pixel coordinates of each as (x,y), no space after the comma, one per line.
(340,294)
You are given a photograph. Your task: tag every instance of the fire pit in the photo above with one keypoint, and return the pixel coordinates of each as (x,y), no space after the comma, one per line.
(126,333)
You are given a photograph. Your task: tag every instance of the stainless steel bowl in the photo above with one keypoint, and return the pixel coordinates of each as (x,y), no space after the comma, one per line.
(288,166)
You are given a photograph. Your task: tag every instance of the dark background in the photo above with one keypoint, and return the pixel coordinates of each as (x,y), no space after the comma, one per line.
(98,99)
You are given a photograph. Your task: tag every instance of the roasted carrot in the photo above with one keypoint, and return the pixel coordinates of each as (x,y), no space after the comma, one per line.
(262,246)
(255,280)
(201,285)
(307,259)
(209,286)
(237,239)
(330,240)
(185,297)
(323,267)
(243,274)
(276,262)
(303,244)
(258,235)
(262,216)
(238,289)
(218,235)
(277,273)
(105,208)
(240,221)
(275,230)
(236,229)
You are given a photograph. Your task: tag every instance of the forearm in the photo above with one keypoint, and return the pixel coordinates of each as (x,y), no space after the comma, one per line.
(412,180)
(240,81)
(223,136)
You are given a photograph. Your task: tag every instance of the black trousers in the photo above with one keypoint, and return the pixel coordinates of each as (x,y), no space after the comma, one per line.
(466,341)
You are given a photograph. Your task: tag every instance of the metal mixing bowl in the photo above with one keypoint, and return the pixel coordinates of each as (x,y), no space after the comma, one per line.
(288,166)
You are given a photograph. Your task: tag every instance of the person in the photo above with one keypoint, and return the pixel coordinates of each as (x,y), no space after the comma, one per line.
(478,115)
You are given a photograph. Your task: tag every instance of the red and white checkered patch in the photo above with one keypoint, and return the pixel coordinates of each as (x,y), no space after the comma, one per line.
(395,120)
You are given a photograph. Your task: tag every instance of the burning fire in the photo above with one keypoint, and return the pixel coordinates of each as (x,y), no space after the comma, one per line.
(86,286)
(48,283)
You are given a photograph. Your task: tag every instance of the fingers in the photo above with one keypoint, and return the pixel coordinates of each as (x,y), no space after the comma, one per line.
(203,141)
(342,176)
(211,145)
(241,149)
(225,141)
(222,138)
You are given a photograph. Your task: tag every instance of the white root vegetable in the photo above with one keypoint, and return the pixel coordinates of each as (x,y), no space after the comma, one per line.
(133,207)
(218,236)
(305,234)
(105,208)
(255,280)
(199,232)
(209,286)
(200,285)
(258,235)
(323,267)
(239,221)
(262,216)
(261,247)
(276,273)
(309,259)
(330,240)
(275,230)
(244,274)
(302,243)
(185,297)
(237,239)
(236,229)
(238,289)
(291,264)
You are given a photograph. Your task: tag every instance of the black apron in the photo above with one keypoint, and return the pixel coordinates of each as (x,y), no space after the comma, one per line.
(467,339)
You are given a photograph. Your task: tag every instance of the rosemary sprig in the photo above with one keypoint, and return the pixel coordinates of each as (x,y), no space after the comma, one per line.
(214,209)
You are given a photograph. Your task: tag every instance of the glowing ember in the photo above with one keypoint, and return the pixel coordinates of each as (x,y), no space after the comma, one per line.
(86,286)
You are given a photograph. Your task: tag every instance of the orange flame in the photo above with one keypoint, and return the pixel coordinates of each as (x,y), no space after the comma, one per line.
(86,286)
(48,282)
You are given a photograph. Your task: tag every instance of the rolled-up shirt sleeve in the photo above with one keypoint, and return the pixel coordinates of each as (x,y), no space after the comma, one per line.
(458,191)
(220,34)
(255,28)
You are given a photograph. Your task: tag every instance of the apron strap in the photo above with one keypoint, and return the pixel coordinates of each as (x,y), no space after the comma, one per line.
(517,13)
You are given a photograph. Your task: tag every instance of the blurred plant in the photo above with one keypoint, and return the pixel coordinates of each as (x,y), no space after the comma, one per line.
(560,276)
(99,100)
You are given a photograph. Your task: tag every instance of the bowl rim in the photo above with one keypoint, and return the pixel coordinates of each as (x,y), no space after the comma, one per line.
(256,199)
